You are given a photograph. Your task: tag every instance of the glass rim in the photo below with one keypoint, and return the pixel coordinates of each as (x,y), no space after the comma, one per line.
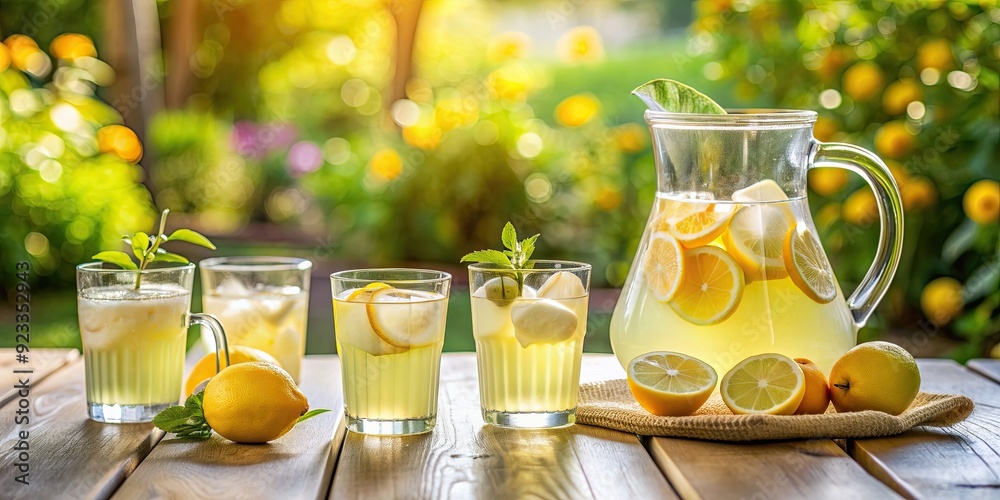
(254,263)
(92,267)
(440,277)
(735,117)
(567,265)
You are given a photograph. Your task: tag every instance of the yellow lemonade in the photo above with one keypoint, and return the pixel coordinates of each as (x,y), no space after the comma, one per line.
(133,343)
(272,319)
(390,341)
(725,280)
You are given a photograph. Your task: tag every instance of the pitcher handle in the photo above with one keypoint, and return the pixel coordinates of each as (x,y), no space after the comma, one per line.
(890,209)
(221,345)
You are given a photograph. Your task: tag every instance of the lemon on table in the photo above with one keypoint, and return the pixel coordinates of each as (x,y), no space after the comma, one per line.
(764,384)
(755,238)
(205,368)
(710,289)
(253,402)
(701,227)
(663,266)
(670,383)
(405,318)
(806,264)
(816,397)
(876,375)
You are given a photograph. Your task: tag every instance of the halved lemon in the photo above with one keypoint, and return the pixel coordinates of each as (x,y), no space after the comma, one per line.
(406,318)
(670,383)
(765,190)
(755,238)
(364,294)
(807,265)
(663,266)
(701,227)
(769,384)
(711,287)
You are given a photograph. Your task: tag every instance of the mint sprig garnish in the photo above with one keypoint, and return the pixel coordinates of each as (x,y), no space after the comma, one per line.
(188,421)
(516,256)
(146,248)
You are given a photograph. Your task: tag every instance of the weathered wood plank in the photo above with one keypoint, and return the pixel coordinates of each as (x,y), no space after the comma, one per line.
(299,465)
(989,368)
(812,469)
(465,458)
(71,456)
(41,363)
(960,461)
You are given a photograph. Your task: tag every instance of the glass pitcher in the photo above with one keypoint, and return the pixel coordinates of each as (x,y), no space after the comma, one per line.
(729,264)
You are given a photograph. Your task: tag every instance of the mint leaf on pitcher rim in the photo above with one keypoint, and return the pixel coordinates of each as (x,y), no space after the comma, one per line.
(675,97)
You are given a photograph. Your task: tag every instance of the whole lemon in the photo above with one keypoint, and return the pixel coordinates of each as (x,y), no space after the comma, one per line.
(253,402)
(875,376)
(816,398)
(237,354)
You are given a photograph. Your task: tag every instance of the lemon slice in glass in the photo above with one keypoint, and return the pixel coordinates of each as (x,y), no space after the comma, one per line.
(710,289)
(807,265)
(406,318)
(769,384)
(670,383)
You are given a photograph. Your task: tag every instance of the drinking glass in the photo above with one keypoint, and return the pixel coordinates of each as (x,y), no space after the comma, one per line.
(390,325)
(529,327)
(262,301)
(134,330)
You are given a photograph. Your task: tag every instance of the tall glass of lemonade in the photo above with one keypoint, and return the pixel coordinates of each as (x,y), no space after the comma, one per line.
(529,326)
(390,325)
(134,330)
(262,301)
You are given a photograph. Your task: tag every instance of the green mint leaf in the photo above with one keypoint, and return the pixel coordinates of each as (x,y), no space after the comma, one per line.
(173,419)
(191,237)
(528,247)
(488,257)
(310,414)
(162,255)
(194,401)
(199,431)
(120,259)
(675,97)
(509,236)
(140,243)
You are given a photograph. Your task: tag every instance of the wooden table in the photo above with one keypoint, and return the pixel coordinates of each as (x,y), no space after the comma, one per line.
(70,456)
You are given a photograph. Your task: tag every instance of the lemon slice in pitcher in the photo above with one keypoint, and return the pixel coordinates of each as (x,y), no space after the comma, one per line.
(663,266)
(701,227)
(770,384)
(710,289)
(807,265)
(670,383)
(755,239)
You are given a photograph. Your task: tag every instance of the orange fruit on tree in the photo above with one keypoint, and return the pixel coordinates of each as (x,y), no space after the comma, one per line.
(982,202)
(935,53)
(918,193)
(894,140)
(860,208)
(941,300)
(816,397)
(900,94)
(863,81)
(827,181)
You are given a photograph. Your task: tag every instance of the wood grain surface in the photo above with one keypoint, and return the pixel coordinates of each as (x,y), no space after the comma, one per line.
(930,462)
(299,465)
(464,458)
(71,456)
(989,368)
(41,363)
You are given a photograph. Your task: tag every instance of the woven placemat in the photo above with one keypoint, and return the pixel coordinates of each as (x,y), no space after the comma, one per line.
(610,404)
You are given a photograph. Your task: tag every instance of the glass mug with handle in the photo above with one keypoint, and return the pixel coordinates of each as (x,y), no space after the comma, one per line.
(135,338)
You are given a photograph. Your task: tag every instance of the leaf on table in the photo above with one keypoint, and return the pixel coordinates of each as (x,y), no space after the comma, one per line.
(173,418)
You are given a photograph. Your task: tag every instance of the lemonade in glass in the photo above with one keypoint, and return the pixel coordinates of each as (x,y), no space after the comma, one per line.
(263,302)
(529,326)
(389,325)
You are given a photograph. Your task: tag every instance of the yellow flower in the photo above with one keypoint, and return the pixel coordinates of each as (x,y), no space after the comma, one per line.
(121,141)
(608,199)
(386,164)
(827,181)
(941,300)
(935,53)
(859,208)
(863,81)
(631,137)
(577,110)
(893,140)
(510,45)
(424,135)
(825,128)
(982,202)
(510,82)
(69,46)
(900,94)
(581,44)
(918,193)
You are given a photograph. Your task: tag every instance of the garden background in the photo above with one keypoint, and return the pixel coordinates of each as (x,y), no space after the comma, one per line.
(375,133)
